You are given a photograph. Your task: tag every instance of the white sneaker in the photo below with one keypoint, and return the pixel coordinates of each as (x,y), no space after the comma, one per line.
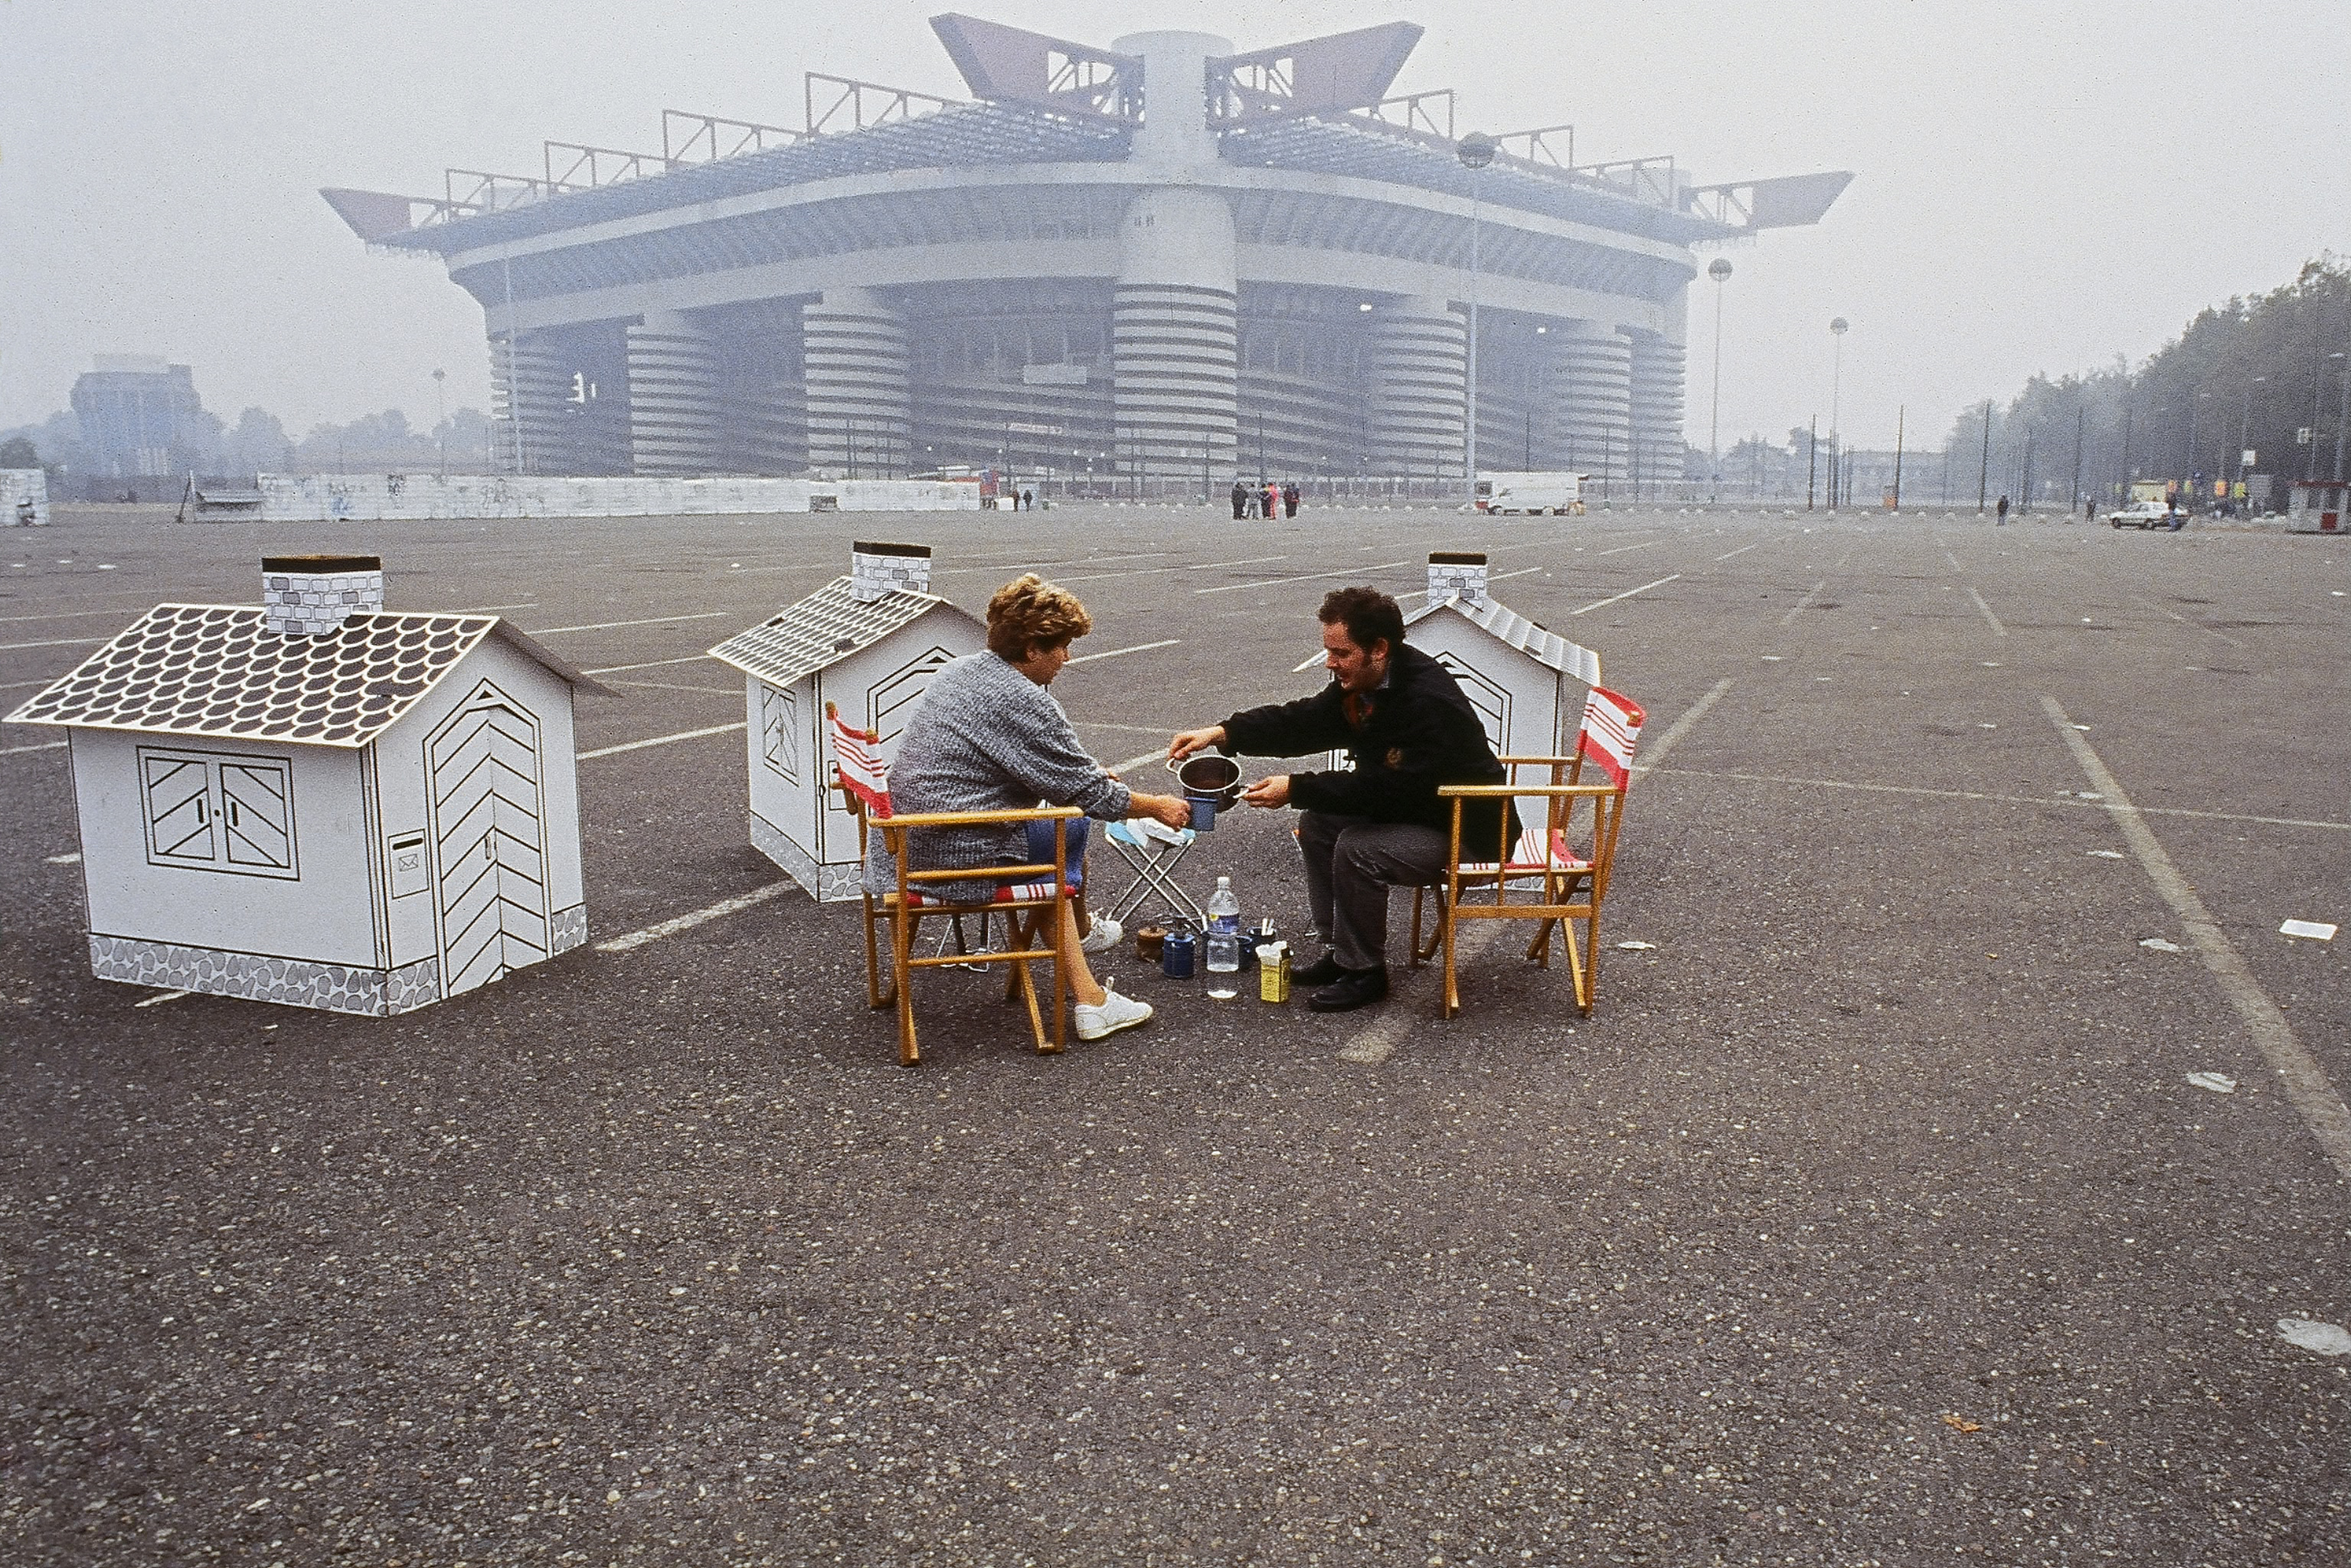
(1102,935)
(1115,1013)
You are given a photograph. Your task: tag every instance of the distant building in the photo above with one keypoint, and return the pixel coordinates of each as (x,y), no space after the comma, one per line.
(1160,260)
(139,416)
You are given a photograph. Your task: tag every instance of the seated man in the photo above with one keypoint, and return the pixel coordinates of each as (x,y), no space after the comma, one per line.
(1404,721)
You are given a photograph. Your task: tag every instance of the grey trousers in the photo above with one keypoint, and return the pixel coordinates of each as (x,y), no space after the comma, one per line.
(1351,863)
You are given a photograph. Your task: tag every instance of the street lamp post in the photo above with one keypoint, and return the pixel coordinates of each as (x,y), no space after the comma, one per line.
(1983,468)
(440,418)
(1476,150)
(1719,270)
(1837,326)
(2195,408)
(2339,398)
(2244,423)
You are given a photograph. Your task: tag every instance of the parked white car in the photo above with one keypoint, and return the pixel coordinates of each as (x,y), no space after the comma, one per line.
(2149,515)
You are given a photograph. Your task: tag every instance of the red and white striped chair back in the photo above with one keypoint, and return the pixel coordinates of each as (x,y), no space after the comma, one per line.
(1612,727)
(862,771)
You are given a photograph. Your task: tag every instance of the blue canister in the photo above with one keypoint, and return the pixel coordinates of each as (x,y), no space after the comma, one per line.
(1176,953)
(1204,812)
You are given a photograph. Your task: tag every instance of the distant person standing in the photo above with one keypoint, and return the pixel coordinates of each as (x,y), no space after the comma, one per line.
(1240,501)
(1269,500)
(1289,499)
(2002,510)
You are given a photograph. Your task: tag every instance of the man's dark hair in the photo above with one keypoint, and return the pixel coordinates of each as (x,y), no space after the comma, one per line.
(1369,615)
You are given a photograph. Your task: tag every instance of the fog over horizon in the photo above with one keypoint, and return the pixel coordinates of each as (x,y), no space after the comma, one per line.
(2038,188)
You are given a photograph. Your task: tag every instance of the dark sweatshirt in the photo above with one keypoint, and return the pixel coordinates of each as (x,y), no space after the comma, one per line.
(1421,733)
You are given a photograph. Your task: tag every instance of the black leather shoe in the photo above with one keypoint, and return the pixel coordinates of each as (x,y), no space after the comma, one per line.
(1323,971)
(1353,989)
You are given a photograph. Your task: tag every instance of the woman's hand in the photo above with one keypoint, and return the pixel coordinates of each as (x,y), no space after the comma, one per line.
(1192,740)
(1170,811)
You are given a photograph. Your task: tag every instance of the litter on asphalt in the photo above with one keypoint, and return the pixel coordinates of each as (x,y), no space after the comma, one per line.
(2315,930)
(2326,1338)
(2160,946)
(2218,1082)
(1635,946)
(2108,854)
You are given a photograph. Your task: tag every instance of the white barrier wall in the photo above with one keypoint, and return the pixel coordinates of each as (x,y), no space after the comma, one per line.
(18,486)
(422,497)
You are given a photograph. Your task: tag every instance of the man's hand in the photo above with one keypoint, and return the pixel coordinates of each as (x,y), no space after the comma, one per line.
(1193,740)
(1269,792)
(1168,810)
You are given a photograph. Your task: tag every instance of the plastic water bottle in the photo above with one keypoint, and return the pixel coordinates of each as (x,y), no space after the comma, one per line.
(1224,934)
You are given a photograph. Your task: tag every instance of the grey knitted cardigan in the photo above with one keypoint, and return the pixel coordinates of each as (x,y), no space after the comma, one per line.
(986,738)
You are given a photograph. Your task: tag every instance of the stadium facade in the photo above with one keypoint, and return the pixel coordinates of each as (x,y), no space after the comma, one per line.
(1163,260)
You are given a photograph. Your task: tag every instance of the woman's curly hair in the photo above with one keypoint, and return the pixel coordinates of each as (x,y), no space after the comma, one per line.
(1029,612)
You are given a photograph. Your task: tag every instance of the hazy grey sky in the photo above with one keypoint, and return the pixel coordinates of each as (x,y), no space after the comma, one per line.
(2040,185)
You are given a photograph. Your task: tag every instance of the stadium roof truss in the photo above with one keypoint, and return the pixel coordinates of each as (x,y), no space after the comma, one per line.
(1320,106)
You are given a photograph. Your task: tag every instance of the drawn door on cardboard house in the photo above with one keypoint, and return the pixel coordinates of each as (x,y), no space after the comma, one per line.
(488,840)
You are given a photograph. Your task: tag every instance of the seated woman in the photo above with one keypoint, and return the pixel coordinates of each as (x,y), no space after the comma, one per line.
(987,736)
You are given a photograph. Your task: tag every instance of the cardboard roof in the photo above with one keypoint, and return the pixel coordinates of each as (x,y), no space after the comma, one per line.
(823,629)
(216,671)
(1545,647)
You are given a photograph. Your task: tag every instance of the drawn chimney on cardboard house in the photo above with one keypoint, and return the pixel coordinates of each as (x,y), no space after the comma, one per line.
(319,802)
(870,643)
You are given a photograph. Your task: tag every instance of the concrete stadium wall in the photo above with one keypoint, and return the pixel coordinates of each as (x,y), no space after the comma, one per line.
(422,497)
(21,484)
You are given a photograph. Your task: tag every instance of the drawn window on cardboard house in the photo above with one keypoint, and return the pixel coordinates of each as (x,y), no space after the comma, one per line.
(892,699)
(1491,700)
(779,722)
(218,812)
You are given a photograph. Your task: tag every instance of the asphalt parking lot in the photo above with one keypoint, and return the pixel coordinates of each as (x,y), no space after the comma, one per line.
(1871,1220)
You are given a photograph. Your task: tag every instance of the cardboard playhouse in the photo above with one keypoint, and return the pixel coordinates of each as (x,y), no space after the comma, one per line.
(1528,684)
(2318,507)
(870,643)
(321,802)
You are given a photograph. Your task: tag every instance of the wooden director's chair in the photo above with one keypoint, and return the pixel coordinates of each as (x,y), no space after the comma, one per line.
(1558,884)
(1030,896)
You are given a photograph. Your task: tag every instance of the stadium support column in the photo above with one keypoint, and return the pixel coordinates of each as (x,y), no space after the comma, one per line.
(1596,399)
(535,395)
(1656,407)
(1420,373)
(673,397)
(853,350)
(1175,337)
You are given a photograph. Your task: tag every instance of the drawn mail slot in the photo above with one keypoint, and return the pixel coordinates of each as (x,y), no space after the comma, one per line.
(408,873)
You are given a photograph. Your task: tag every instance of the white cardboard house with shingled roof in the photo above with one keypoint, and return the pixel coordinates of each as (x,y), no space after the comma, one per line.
(319,802)
(868,643)
(1526,682)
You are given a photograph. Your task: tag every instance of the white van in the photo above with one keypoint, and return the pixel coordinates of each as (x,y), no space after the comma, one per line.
(1507,494)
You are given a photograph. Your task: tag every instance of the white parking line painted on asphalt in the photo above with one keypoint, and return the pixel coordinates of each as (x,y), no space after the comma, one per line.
(1923,791)
(675,686)
(1377,1044)
(1663,747)
(1954,561)
(53,642)
(494,609)
(687,922)
(2184,621)
(60,615)
(45,746)
(1157,570)
(1742,549)
(1997,629)
(1628,593)
(1302,577)
(648,665)
(658,740)
(1620,549)
(1157,755)
(1138,648)
(1803,604)
(611,625)
(2307,1088)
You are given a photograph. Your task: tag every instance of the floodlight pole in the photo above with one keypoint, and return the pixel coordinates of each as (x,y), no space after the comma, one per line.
(1719,270)
(1837,326)
(1476,150)
(1983,470)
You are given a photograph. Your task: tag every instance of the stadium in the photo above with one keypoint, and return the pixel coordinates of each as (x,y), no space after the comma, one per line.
(1156,265)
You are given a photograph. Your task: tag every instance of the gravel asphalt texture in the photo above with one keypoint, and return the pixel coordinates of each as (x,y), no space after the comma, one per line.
(1871,1220)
